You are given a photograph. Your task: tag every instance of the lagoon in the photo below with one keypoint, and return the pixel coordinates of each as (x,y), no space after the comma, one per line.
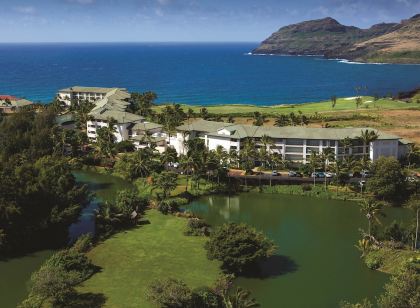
(317,264)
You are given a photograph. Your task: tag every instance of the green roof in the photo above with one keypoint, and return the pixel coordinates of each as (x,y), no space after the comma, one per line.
(145,126)
(203,126)
(239,131)
(120,116)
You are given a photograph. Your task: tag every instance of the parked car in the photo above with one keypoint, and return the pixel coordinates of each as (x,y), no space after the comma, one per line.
(318,175)
(355,174)
(275,173)
(175,165)
(292,173)
(329,174)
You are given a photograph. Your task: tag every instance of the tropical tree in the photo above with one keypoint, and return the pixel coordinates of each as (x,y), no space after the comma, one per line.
(314,162)
(412,152)
(259,118)
(371,209)
(166,182)
(240,299)
(142,103)
(367,136)
(282,120)
(333,101)
(168,156)
(414,204)
(106,138)
(327,156)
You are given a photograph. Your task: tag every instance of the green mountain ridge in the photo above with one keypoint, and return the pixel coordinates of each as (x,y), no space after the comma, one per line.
(384,42)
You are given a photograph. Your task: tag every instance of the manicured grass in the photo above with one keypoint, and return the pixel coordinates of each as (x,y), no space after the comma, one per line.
(131,260)
(307,108)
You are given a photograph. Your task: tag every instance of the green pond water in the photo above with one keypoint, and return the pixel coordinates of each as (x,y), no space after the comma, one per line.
(317,264)
(15,273)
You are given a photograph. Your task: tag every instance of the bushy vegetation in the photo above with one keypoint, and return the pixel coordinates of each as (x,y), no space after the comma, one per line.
(55,281)
(173,293)
(238,246)
(388,180)
(124,213)
(197,227)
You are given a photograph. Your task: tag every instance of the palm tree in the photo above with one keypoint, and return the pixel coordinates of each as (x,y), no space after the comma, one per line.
(367,136)
(282,120)
(106,138)
(142,163)
(338,169)
(371,209)
(346,143)
(314,161)
(327,156)
(247,156)
(239,299)
(414,205)
(412,151)
(266,142)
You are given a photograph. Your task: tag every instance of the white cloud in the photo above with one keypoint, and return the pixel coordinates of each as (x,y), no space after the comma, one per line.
(28,10)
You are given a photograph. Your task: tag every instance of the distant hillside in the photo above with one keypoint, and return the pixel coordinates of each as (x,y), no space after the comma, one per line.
(385,42)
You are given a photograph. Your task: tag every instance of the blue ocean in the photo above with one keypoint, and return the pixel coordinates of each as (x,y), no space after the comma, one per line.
(201,74)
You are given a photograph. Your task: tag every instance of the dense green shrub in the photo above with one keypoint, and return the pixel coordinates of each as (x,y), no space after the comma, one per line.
(306,187)
(238,246)
(373,261)
(170,293)
(169,206)
(83,244)
(206,298)
(197,227)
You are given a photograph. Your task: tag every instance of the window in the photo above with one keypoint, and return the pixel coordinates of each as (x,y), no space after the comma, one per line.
(293,157)
(309,150)
(294,141)
(312,142)
(294,149)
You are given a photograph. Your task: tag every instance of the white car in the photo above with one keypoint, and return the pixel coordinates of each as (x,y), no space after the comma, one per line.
(329,175)
(175,165)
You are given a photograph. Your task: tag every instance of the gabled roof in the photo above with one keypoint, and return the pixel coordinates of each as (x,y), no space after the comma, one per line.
(121,117)
(239,131)
(146,126)
(203,126)
(90,89)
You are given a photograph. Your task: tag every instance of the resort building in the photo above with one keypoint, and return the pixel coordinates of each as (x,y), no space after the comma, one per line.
(111,105)
(293,143)
(90,94)
(10,104)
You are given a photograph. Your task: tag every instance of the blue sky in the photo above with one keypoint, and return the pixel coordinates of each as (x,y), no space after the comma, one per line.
(181,20)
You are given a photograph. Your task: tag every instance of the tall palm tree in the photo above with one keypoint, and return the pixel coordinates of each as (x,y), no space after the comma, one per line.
(346,143)
(327,156)
(371,209)
(414,204)
(239,299)
(267,142)
(314,162)
(367,136)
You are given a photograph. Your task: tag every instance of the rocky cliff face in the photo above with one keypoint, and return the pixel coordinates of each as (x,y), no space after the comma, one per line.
(333,40)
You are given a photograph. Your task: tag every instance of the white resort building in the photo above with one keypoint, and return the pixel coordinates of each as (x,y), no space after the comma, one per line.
(294,143)
(90,94)
(111,104)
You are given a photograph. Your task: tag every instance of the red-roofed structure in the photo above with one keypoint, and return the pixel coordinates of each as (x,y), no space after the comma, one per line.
(9,97)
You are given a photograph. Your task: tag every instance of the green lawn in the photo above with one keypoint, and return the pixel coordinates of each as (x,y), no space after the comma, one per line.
(307,108)
(131,260)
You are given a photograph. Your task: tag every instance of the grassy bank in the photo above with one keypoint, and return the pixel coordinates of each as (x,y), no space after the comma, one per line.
(391,260)
(342,104)
(157,249)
